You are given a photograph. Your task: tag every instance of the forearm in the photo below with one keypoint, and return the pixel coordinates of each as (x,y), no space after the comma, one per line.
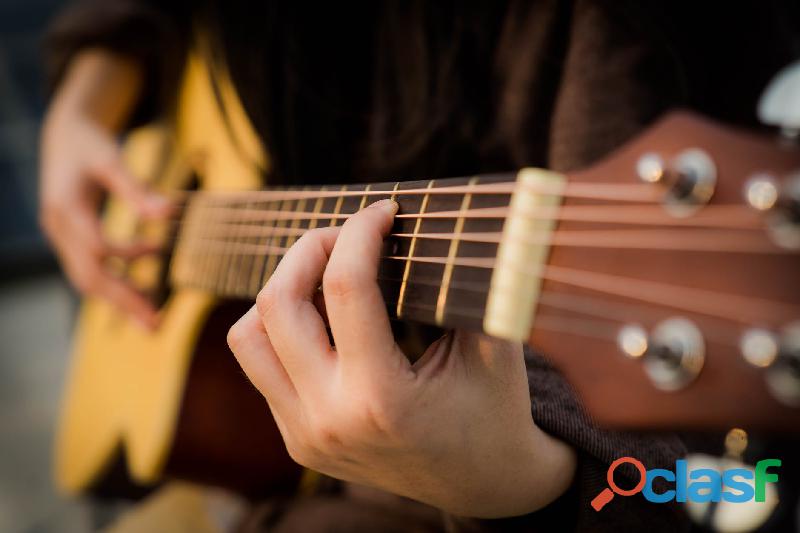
(98,85)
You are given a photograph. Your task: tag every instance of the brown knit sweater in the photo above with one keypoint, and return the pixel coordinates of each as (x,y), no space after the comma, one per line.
(555,84)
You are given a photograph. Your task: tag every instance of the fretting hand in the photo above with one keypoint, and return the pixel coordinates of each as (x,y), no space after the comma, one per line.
(453,430)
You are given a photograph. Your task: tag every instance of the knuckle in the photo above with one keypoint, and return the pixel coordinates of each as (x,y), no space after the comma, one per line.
(340,283)
(381,417)
(299,454)
(267,299)
(326,437)
(236,336)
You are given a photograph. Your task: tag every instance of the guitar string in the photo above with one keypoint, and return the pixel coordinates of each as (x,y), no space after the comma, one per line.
(737,308)
(622,312)
(724,216)
(711,240)
(485,212)
(633,192)
(593,328)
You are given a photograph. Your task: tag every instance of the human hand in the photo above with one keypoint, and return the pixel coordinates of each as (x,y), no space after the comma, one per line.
(453,430)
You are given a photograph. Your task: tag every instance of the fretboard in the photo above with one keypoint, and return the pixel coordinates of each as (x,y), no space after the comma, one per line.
(436,268)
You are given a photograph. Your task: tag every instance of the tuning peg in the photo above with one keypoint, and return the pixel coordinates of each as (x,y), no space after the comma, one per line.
(736,443)
(780,103)
(779,354)
(673,353)
(783,376)
(689,179)
(781,202)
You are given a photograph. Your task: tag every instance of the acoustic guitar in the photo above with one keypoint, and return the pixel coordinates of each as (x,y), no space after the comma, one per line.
(663,281)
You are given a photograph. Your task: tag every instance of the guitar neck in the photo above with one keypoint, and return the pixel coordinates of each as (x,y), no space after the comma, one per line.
(675,279)
(437,266)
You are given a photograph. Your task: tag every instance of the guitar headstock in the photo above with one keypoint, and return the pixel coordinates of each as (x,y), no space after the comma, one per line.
(672,299)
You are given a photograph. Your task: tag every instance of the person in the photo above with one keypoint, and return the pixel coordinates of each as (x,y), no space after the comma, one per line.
(480,433)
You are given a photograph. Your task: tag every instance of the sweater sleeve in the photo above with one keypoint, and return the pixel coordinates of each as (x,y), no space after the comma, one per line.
(153,33)
(557,410)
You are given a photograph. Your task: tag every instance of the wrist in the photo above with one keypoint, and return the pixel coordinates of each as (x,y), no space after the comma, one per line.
(100,87)
(533,472)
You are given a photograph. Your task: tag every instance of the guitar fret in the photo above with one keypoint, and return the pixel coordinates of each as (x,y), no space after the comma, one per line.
(411,246)
(234,274)
(317,207)
(259,263)
(300,208)
(219,260)
(441,301)
(394,191)
(275,241)
(364,198)
(213,259)
(227,253)
(245,264)
(338,207)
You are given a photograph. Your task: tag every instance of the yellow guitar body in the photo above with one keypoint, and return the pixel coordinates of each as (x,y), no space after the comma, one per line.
(125,385)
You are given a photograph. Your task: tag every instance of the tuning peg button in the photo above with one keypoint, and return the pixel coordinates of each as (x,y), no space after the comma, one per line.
(759,347)
(780,103)
(761,191)
(782,205)
(783,376)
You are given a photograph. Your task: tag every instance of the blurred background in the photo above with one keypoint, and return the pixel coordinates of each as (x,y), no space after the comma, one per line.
(36,306)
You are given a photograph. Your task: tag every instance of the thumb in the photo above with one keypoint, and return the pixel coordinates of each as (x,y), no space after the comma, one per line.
(115,178)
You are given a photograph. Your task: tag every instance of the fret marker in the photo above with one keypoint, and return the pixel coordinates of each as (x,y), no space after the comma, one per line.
(514,292)
(441,301)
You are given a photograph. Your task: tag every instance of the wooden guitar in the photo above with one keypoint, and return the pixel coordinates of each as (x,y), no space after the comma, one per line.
(663,281)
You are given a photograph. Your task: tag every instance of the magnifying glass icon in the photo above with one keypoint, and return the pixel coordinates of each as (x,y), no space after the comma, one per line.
(607,494)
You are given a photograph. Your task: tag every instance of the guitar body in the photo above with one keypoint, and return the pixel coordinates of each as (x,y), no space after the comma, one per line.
(171,398)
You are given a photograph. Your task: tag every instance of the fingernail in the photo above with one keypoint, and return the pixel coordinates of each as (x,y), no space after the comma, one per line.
(388,205)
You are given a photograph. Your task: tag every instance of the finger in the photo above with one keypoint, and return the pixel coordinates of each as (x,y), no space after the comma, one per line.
(88,271)
(132,250)
(253,350)
(286,304)
(126,298)
(319,303)
(357,312)
(117,179)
